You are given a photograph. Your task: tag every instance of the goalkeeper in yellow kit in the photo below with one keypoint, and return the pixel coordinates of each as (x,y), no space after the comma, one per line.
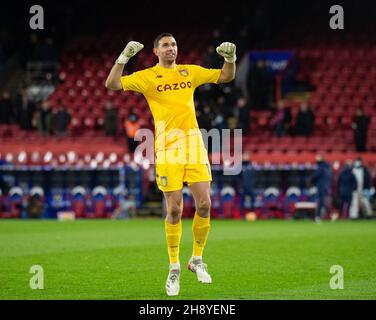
(180,153)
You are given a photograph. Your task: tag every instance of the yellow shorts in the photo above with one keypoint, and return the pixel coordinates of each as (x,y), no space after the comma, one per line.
(170,177)
(174,167)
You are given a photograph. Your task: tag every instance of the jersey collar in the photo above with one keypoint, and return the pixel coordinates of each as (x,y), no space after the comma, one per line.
(166,69)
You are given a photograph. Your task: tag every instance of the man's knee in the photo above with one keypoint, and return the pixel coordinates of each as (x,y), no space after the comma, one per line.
(203,207)
(174,209)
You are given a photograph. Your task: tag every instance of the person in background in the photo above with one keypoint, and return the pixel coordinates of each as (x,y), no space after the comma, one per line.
(322,179)
(305,121)
(242,114)
(281,120)
(361,196)
(35,207)
(131,125)
(126,208)
(44,118)
(360,126)
(24,110)
(248,182)
(110,120)
(346,185)
(60,121)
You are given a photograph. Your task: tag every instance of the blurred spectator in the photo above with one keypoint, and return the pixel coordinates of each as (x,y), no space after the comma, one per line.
(6,109)
(60,121)
(248,183)
(35,207)
(346,185)
(24,110)
(361,196)
(44,118)
(241,112)
(322,179)
(281,120)
(126,208)
(220,123)
(131,125)
(305,121)
(360,128)
(110,120)
(42,87)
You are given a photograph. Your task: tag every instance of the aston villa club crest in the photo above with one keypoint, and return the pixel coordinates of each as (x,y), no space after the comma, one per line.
(184,72)
(163,181)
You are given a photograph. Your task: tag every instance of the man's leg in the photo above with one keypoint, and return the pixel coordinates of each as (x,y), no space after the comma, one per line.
(341,206)
(200,228)
(354,207)
(367,206)
(201,221)
(174,203)
(320,207)
(348,200)
(358,142)
(173,228)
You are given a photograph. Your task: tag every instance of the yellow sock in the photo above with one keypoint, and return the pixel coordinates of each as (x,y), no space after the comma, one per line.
(200,228)
(173,236)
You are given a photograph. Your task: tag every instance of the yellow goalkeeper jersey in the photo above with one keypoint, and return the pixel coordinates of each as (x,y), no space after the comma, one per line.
(170,95)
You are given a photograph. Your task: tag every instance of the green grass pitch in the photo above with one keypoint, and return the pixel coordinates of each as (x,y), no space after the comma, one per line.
(128,260)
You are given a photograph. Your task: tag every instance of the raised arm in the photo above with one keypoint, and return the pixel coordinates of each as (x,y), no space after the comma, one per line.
(113,79)
(228,51)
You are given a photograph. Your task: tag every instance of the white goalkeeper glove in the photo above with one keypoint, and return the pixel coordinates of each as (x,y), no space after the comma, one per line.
(228,51)
(130,50)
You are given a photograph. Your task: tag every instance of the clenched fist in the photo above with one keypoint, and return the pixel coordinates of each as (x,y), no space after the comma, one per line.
(130,50)
(228,51)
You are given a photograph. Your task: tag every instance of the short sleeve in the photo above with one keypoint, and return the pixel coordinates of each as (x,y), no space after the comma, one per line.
(202,75)
(134,82)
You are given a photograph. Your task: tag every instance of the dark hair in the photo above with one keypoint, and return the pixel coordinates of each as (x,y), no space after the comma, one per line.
(160,36)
